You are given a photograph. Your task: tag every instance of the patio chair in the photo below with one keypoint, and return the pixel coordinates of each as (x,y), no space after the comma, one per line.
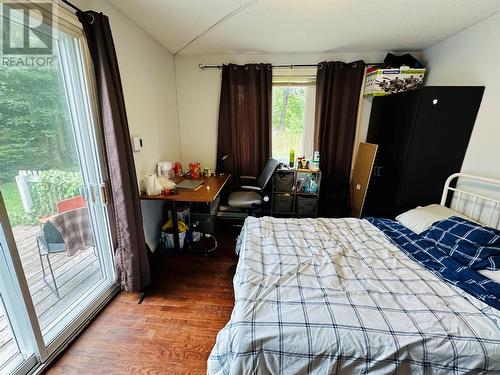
(50,242)
(71,204)
(73,235)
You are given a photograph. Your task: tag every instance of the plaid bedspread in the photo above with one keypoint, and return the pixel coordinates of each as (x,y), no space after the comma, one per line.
(433,257)
(332,296)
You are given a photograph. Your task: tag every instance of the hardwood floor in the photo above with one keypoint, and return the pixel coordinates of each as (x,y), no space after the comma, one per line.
(172,331)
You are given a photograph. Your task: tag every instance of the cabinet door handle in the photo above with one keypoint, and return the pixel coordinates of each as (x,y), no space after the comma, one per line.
(379,171)
(375,169)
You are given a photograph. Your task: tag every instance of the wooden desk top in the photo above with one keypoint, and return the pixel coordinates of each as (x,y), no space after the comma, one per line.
(214,183)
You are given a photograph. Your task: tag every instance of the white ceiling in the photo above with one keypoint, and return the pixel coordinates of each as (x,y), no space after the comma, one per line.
(300,26)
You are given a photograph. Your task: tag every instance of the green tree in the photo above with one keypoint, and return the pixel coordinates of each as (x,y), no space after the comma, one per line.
(288,119)
(288,109)
(34,122)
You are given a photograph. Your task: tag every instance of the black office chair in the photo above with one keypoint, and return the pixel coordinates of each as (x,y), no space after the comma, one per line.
(252,196)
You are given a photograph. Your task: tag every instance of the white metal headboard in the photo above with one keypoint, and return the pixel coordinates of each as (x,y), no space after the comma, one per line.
(478,207)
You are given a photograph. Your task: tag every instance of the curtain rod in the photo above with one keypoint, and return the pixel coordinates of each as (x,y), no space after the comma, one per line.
(90,17)
(290,66)
(73,6)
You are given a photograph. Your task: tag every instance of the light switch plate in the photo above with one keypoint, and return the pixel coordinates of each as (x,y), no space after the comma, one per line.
(137,144)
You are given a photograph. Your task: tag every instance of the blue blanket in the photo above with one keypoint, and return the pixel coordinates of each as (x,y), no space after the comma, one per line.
(433,258)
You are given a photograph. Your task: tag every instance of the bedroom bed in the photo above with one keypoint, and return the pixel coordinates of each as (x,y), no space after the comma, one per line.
(331,296)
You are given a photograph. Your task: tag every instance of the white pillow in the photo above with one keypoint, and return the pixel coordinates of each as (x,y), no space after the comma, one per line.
(492,275)
(421,218)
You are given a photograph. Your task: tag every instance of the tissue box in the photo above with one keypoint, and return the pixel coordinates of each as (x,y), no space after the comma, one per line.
(381,82)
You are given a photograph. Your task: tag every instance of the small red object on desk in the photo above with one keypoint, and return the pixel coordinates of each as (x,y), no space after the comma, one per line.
(177,169)
(194,169)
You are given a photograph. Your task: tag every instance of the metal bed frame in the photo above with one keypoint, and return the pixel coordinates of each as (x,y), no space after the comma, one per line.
(480,208)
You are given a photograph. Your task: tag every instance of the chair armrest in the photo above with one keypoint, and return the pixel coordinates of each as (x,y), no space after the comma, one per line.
(253,188)
(248,177)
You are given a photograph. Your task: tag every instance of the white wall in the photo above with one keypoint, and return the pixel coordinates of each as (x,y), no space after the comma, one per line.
(198,96)
(472,57)
(148,79)
(147,74)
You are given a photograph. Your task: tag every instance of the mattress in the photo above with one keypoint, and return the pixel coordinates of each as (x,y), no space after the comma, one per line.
(321,296)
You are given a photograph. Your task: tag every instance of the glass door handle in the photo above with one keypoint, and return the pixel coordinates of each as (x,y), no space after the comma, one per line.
(104,193)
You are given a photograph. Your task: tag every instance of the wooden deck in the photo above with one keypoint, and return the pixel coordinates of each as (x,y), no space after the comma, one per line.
(74,275)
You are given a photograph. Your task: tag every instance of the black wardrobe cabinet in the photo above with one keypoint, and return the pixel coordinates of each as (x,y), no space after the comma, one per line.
(422,137)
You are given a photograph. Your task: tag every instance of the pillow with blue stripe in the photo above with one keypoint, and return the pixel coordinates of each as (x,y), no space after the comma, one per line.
(469,243)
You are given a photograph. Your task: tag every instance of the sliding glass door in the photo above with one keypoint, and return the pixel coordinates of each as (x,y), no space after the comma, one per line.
(10,353)
(21,343)
(9,348)
(56,251)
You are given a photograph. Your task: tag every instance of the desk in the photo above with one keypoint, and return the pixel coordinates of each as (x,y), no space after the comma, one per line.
(207,193)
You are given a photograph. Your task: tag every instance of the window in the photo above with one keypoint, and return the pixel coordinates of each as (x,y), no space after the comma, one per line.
(293,113)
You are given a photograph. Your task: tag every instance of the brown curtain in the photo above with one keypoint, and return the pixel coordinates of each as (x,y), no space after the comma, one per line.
(338,87)
(131,257)
(244,131)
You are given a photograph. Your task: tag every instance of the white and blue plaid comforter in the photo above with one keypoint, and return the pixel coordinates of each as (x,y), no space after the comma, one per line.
(335,296)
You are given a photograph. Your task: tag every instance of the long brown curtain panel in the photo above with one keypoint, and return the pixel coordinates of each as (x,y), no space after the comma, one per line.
(131,258)
(338,88)
(244,130)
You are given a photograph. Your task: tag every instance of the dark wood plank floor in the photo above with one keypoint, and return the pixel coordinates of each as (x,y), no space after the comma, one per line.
(172,331)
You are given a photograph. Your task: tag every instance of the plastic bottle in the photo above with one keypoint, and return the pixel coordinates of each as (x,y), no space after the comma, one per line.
(313,186)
